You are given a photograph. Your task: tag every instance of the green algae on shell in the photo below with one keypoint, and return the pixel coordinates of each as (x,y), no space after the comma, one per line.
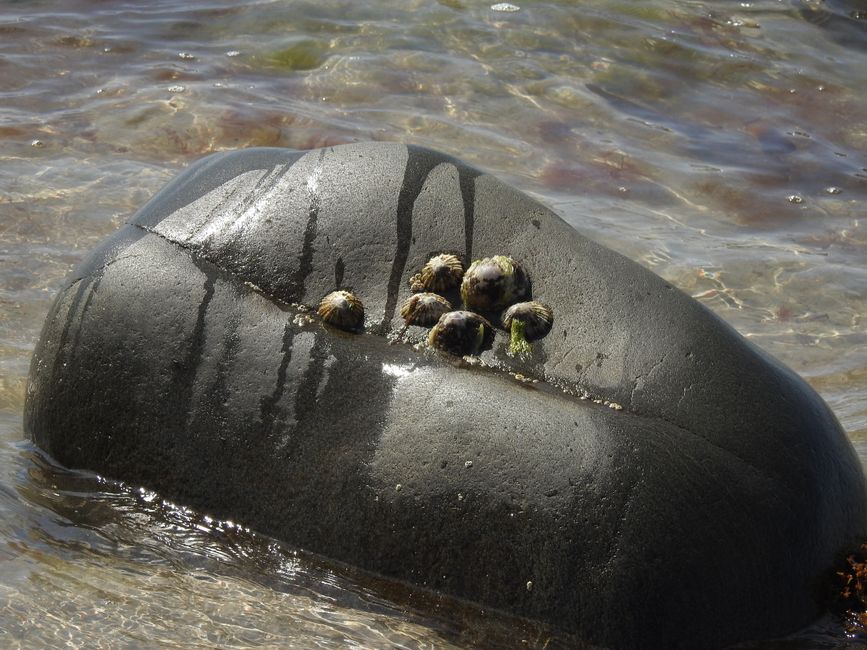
(461,333)
(493,283)
(526,322)
(342,310)
(424,309)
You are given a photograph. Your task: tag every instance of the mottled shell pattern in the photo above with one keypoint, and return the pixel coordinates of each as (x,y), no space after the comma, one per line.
(424,309)
(493,283)
(441,273)
(536,316)
(342,310)
(461,333)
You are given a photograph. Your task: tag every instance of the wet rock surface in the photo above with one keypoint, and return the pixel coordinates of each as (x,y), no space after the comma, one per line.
(704,512)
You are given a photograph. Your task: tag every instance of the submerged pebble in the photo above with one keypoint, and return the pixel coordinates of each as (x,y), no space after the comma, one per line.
(304,55)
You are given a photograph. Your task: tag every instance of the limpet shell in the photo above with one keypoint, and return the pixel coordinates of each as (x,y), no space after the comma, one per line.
(527,321)
(536,316)
(424,309)
(342,310)
(461,333)
(493,283)
(442,273)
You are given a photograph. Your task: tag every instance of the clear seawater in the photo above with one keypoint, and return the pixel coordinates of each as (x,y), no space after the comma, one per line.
(721,144)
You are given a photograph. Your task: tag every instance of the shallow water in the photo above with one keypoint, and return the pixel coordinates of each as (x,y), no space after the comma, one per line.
(720,144)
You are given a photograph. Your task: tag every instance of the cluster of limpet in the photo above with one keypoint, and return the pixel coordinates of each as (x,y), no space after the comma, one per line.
(490,284)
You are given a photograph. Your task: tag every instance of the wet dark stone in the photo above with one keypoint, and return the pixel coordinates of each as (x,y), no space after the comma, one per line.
(707,511)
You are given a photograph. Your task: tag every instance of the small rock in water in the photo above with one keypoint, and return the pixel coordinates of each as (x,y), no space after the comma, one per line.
(833,190)
(794,198)
(505,7)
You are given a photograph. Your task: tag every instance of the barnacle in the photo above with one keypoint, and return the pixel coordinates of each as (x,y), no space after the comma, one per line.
(424,309)
(461,333)
(527,321)
(415,283)
(494,282)
(342,310)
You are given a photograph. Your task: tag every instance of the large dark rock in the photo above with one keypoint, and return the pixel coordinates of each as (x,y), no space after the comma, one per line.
(707,511)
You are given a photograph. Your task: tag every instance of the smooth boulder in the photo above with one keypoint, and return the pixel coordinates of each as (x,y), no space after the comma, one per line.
(698,497)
